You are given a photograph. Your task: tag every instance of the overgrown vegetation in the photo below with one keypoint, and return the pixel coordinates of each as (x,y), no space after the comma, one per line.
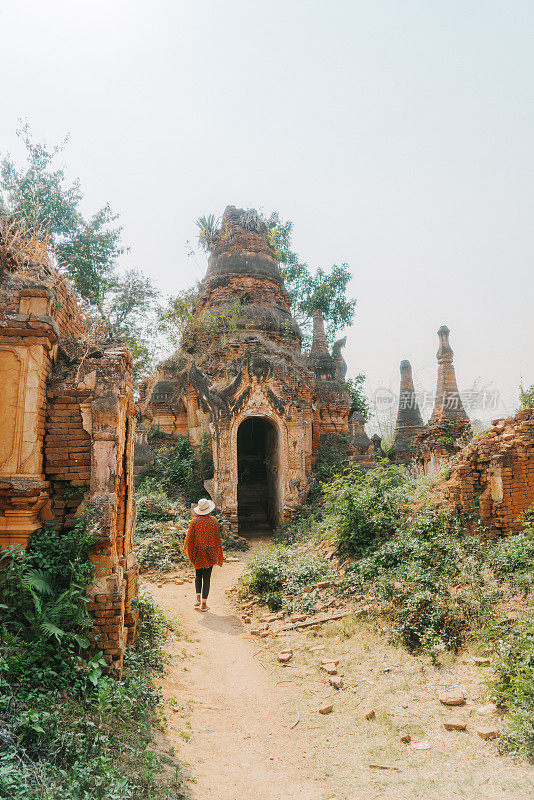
(179,468)
(278,575)
(359,403)
(332,458)
(433,580)
(67,731)
(526,397)
(362,507)
(514,686)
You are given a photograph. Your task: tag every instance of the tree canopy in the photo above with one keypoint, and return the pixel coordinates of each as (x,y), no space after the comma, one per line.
(39,194)
(325,290)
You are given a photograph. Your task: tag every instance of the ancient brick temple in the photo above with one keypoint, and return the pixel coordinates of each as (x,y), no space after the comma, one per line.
(67,423)
(449,427)
(240,377)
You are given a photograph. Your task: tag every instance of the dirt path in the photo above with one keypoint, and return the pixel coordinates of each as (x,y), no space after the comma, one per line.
(231,706)
(241,746)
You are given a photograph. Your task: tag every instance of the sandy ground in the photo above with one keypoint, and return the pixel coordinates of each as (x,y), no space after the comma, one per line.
(231,708)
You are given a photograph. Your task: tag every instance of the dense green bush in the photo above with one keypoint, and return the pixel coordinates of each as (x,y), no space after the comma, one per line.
(91,745)
(44,622)
(513,558)
(68,732)
(363,508)
(303,525)
(432,576)
(514,686)
(277,574)
(332,459)
(180,468)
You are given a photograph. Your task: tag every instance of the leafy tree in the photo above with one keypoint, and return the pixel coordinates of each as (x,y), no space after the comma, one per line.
(39,194)
(173,318)
(325,291)
(129,308)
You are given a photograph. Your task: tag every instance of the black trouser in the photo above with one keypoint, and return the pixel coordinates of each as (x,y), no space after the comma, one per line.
(202,581)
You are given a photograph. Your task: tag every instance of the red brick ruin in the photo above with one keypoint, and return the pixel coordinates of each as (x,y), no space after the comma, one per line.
(492,476)
(67,424)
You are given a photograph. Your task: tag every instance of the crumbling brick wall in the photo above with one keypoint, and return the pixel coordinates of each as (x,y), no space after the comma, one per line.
(89,455)
(67,425)
(494,475)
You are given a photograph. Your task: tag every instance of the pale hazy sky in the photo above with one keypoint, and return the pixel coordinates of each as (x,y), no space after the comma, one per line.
(398,137)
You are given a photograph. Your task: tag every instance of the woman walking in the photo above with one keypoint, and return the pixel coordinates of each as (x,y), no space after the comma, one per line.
(203,546)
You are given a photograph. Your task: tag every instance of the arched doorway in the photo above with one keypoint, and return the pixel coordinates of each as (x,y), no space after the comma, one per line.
(258,471)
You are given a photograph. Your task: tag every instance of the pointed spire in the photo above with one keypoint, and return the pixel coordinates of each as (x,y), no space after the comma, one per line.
(319,344)
(448,404)
(409,421)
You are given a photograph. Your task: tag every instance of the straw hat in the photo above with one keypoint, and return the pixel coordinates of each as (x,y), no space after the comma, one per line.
(204,507)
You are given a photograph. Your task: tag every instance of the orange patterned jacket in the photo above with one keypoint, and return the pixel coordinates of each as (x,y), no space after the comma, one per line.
(203,544)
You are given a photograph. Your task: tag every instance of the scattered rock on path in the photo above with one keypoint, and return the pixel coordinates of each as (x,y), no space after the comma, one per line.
(284,658)
(424,744)
(481,662)
(488,732)
(405,737)
(455,725)
(326,708)
(369,712)
(454,698)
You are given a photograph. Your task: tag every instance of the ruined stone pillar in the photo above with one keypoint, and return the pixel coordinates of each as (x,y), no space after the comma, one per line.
(409,421)
(448,404)
(319,343)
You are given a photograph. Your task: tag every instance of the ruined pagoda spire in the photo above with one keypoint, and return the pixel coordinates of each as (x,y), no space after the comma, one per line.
(448,404)
(409,421)
(319,343)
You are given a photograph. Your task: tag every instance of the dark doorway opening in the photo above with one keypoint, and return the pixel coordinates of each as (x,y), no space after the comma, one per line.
(258,506)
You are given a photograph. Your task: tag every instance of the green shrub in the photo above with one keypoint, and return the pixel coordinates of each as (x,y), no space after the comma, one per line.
(67,731)
(526,396)
(268,569)
(92,742)
(363,508)
(277,575)
(44,622)
(152,632)
(513,558)
(514,686)
(304,523)
(182,470)
(332,459)
(431,575)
